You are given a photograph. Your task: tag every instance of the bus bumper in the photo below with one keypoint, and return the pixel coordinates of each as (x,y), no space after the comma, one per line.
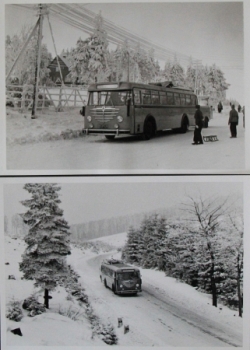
(128,291)
(114,132)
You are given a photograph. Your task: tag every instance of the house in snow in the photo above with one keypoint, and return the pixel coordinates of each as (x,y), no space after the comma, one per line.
(55,72)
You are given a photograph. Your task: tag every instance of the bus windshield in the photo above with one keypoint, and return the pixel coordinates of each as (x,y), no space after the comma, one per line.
(128,275)
(109,98)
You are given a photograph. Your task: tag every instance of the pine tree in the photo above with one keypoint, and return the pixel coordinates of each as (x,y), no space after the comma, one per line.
(131,252)
(44,259)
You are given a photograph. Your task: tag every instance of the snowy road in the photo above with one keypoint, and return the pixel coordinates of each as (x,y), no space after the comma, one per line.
(168,152)
(157,316)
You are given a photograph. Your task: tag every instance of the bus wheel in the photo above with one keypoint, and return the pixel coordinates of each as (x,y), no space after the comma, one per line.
(149,129)
(206,122)
(110,137)
(184,126)
(105,284)
(113,289)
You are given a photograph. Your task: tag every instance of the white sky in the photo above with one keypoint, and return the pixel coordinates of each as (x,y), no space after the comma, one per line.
(210,31)
(96,200)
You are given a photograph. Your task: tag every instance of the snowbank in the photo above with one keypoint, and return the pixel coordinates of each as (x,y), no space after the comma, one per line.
(50,125)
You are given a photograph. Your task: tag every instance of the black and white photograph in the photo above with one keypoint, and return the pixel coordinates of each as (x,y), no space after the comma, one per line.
(123,87)
(160,265)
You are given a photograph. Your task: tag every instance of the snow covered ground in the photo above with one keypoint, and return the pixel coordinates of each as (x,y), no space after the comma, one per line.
(169,152)
(166,313)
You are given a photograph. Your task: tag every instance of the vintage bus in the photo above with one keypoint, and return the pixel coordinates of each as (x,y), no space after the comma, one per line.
(139,109)
(119,277)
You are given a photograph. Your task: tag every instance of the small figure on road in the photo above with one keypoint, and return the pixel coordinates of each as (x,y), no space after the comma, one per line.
(233,121)
(220,107)
(239,108)
(198,126)
(243,111)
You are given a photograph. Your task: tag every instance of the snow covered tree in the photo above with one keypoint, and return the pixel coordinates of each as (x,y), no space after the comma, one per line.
(131,251)
(232,255)
(207,214)
(24,71)
(44,259)
(90,61)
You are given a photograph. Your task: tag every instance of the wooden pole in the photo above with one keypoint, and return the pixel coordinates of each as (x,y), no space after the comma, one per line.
(37,71)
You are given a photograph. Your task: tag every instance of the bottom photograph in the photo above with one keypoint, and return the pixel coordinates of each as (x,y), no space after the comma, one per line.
(102,261)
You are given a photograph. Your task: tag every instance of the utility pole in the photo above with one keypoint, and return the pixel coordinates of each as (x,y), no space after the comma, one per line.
(38,60)
(128,65)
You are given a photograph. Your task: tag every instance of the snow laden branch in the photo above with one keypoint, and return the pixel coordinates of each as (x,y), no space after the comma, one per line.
(44,259)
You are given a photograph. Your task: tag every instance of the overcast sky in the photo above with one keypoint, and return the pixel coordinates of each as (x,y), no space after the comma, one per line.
(210,31)
(106,198)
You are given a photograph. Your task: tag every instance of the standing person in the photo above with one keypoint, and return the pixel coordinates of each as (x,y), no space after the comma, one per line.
(239,108)
(220,107)
(198,116)
(243,111)
(233,121)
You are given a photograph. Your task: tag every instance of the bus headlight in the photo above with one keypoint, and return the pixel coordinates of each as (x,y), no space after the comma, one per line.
(91,126)
(137,285)
(89,118)
(119,119)
(121,285)
(116,126)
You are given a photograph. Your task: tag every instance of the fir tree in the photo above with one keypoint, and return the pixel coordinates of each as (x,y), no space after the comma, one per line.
(44,259)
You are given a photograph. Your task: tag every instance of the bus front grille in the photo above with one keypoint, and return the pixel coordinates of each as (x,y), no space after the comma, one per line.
(104,113)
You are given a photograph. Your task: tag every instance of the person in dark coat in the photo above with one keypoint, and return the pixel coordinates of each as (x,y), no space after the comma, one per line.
(198,126)
(220,107)
(239,108)
(233,121)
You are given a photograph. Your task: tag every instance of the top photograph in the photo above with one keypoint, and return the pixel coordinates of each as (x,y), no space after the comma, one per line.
(125,88)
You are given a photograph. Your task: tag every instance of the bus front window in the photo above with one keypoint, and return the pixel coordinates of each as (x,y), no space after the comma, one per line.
(109,98)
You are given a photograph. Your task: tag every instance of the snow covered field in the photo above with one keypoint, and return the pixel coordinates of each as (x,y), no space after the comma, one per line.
(166,313)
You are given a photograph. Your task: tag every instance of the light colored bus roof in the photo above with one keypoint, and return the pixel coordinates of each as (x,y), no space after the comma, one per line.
(125,85)
(117,265)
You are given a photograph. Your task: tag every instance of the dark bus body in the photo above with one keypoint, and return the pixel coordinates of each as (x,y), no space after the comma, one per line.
(119,277)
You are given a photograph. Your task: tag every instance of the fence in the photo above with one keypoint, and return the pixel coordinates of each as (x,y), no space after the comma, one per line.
(21,97)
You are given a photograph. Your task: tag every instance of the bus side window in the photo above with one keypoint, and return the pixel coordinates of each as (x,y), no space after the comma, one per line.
(177,100)
(137,97)
(146,100)
(193,100)
(170,98)
(163,98)
(155,97)
(188,100)
(183,102)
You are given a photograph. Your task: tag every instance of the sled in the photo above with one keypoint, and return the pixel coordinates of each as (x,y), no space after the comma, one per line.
(211,138)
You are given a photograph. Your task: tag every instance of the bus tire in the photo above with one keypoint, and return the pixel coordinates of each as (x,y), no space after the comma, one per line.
(105,283)
(206,122)
(113,289)
(149,129)
(110,137)
(184,125)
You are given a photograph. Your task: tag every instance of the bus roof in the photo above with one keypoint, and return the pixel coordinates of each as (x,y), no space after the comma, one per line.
(117,265)
(124,85)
